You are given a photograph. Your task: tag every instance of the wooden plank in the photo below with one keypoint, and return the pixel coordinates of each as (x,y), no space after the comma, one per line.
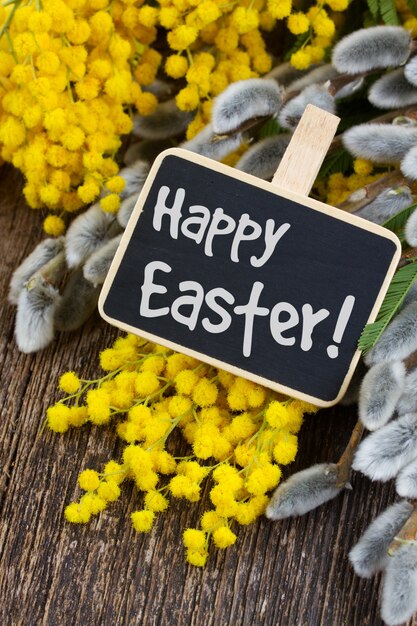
(291,573)
(304,156)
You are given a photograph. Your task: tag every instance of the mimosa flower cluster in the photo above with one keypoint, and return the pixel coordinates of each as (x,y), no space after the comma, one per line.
(239,434)
(215,44)
(67,89)
(72,74)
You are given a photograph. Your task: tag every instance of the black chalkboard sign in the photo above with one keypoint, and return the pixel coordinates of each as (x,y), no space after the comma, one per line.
(268,284)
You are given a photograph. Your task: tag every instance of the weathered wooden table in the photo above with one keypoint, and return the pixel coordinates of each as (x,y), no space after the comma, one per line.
(290,573)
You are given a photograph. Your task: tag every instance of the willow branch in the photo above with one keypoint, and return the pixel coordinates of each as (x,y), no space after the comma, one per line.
(361,197)
(344,464)
(407,533)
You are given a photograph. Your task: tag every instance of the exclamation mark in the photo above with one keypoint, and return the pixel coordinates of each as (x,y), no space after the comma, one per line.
(342,320)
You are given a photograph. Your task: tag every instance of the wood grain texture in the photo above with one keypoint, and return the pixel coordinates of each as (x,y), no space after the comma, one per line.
(291,573)
(305,153)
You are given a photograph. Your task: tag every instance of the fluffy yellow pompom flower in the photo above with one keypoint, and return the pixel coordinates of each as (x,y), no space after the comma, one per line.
(93,503)
(155,501)
(223,537)
(146,383)
(277,415)
(146,103)
(58,418)
(300,60)
(194,539)
(338,5)
(209,520)
(108,490)
(98,404)
(176,66)
(279,8)
(54,225)
(182,37)
(110,203)
(89,480)
(142,520)
(285,449)
(245,20)
(77,514)
(363,167)
(116,184)
(197,557)
(69,382)
(205,393)
(298,23)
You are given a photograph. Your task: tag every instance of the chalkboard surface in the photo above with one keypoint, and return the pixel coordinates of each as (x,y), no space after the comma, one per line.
(269,285)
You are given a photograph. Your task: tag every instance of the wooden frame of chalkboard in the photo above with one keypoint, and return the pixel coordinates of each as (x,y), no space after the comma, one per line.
(320,241)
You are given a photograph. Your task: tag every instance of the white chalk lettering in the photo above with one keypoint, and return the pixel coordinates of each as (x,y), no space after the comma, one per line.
(271,240)
(226,318)
(202,222)
(250,310)
(194,301)
(242,235)
(278,326)
(214,230)
(173,212)
(149,287)
(186,309)
(310,320)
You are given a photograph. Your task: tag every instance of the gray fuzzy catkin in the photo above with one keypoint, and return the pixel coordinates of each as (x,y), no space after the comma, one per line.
(410,231)
(42,254)
(87,233)
(291,112)
(387,450)
(134,176)
(126,209)
(372,48)
(317,75)
(409,163)
(79,300)
(408,399)
(386,204)
(145,150)
(380,143)
(34,327)
(207,144)
(304,491)
(98,264)
(399,591)
(406,482)
(399,340)
(245,100)
(410,71)
(263,157)
(370,555)
(392,91)
(167,121)
(379,393)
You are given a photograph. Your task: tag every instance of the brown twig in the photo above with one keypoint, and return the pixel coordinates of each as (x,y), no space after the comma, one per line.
(51,272)
(407,533)
(361,197)
(344,464)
